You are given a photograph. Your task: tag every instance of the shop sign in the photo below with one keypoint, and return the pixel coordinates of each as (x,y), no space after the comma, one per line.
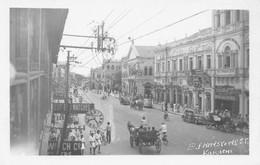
(52,147)
(225,97)
(75,107)
(71,148)
(227,90)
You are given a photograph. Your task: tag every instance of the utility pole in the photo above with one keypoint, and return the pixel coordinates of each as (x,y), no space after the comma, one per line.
(67,107)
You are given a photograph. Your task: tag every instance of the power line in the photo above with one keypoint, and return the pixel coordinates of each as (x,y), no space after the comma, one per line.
(109,14)
(119,20)
(141,24)
(163,27)
(116,19)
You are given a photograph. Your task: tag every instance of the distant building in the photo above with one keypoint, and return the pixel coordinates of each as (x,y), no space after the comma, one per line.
(137,71)
(35,36)
(209,68)
(111,75)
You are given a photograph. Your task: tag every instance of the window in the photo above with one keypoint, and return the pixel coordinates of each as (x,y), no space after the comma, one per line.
(175,65)
(159,67)
(191,63)
(112,67)
(237,15)
(220,61)
(108,67)
(208,62)
(180,64)
(228,17)
(199,62)
(169,66)
(218,19)
(150,71)
(145,70)
(162,66)
(227,57)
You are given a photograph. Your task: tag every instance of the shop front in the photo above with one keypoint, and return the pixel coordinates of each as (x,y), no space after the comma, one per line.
(227,97)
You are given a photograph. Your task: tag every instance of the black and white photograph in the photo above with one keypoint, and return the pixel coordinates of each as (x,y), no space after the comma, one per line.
(138,79)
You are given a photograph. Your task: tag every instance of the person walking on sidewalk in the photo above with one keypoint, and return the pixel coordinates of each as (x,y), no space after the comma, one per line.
(82,145)
(98,140)
(92,142)
(108,130)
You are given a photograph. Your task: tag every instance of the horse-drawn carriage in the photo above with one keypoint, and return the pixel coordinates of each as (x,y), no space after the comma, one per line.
(144,138)
(137,104)
(224,124)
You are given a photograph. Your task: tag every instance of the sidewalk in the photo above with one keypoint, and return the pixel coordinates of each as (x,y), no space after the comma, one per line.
(158,107)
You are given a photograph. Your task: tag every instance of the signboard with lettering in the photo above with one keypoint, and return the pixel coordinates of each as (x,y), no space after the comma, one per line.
(226,93)
(71,148)
(74,107)
(52,147)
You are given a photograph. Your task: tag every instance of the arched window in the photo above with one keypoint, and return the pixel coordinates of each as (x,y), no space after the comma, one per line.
(227,57)
(112,67)
(108,67)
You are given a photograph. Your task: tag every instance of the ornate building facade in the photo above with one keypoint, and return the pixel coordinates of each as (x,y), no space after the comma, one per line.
(137,71)
(208,68)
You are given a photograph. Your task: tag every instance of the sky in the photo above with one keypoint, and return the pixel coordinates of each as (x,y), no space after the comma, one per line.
(138,21)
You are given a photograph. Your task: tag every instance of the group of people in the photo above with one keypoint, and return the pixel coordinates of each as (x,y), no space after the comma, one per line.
(144,126)
(173,106)
(95,139)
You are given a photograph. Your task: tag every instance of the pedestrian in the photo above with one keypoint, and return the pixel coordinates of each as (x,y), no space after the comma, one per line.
(92,142)
(166,106)
(144,123)
(82,145)
(108,130)
(98,140)
(162,105)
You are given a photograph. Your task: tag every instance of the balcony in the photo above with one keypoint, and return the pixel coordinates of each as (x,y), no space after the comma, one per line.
(226,72)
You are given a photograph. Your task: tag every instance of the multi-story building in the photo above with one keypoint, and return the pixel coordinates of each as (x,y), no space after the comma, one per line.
(96,79)
(112,75)
(137,71)
(107,77)
(208,68)
(35,36)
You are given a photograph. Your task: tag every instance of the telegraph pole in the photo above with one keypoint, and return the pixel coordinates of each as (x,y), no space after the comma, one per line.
(67,107)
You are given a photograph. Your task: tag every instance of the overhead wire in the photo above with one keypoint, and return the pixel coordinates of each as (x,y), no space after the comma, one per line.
(140,24)
(164,27)
(119,20)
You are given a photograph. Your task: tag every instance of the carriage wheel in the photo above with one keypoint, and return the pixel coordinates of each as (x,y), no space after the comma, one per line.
(158,145)
(208,125)
(131,142)
(140,145)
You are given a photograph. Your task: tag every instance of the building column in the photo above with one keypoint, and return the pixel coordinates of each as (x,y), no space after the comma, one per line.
(203,103)
(176,96)
(212,96)
(171,95)
(165,95)
(195,98)
(183,97)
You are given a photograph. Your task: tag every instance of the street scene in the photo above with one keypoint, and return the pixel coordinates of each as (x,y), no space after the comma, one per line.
(111,84)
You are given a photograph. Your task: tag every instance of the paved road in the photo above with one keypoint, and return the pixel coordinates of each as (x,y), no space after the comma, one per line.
(183,138)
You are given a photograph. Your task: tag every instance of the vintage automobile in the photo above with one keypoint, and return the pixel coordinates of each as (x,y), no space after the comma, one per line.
(191,117)
(124,101)
(148,103)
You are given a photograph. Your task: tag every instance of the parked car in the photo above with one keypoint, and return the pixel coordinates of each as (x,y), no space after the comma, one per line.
(191,117)
(124,101)
(148,103)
